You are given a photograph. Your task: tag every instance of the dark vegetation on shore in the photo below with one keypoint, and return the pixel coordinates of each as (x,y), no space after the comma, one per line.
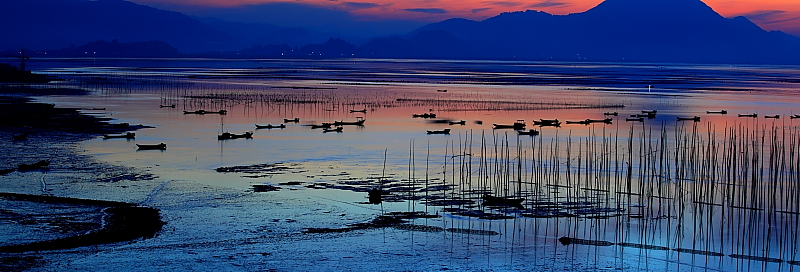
(50,128)
(122,222)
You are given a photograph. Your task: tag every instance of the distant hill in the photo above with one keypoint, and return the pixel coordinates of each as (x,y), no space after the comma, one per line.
(53,24)
(114,49)
(616,30)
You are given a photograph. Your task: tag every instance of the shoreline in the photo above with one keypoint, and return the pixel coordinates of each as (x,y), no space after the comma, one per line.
(54,133)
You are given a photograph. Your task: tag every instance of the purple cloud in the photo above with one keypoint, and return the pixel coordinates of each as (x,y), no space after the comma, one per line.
(359,5)
(427,10)
(502,3)
(479,10)
(549,4)
(770,16)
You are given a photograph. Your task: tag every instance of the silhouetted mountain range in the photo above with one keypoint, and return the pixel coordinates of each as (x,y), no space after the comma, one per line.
(616,30)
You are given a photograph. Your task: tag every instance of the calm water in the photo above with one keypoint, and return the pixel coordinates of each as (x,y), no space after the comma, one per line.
(726,184)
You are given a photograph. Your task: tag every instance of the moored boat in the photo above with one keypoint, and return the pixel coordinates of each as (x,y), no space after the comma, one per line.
(611,113)
(359,122)
(201,112)
(444,131)
(696,118)
(462,122)
(772,116)
(270,126)
(167,106)
(519,124)
(295,120)
(424,115)
(161,146)
(530,132)
(754,115)
(638,119)
(230,136)
(128,135)
(361,111)
(717,112)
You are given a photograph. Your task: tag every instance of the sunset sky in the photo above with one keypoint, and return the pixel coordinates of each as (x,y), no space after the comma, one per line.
(769,14)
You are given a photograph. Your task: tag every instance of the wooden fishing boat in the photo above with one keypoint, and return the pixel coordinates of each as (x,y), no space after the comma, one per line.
(547,122)
(424,115)
(337,129)
(519,124)
(794,116)
(649,111)
(442,91)
(167,106)
(639,119)
(295,120)
(607,120)
(362,111)
(530,132)
(201,112)
(161,146)
(696,118)
(717,112)
(489,200)
(584,122)
(462,122)
(611,113)
(323,125)
(38,165)
(754,115)
(270,126)
(359,122)
(230,136)
(128,135)
(772,116)
(444,131)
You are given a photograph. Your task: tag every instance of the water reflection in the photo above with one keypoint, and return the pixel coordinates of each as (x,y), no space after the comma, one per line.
(720,191)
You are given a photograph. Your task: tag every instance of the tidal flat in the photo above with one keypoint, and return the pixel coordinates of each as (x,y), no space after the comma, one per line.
(665,191)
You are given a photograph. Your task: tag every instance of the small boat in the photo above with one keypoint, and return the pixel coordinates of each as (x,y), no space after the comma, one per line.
(323,125)
(777,116)
(749,115)
(519,124)
(584,122)
(648,115)
(547,122)
(607,120)
(167,106)
(649,111)
(530,132)
(362,111)
(611,113)
(230,136)
(639,119)
(717,112)
(696,118)
(442,91)
(337,129)
(21,137)
(98,108)
(424,115)
(359,122)
(201,112)
(270,126)
(795,116)
(38,165)
(501,201)
(295,120)
(444,131)
(161,146)
(122,136)
(462,122)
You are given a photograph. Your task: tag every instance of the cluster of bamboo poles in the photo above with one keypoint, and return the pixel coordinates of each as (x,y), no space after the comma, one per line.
(732,190)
